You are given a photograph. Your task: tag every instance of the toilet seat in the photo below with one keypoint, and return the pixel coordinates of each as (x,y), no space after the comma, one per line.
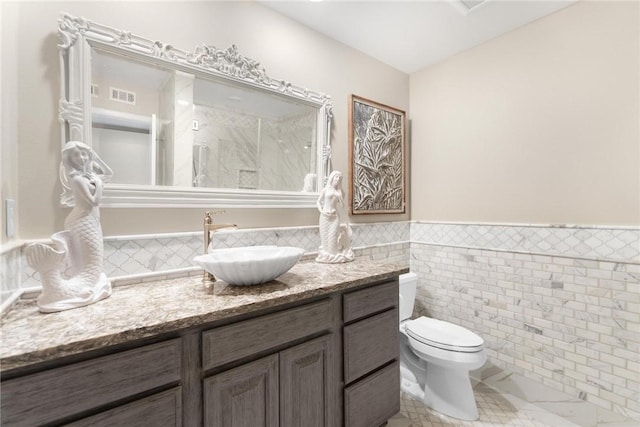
(444,335)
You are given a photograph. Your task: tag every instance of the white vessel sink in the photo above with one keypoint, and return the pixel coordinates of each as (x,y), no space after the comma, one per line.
(250,265)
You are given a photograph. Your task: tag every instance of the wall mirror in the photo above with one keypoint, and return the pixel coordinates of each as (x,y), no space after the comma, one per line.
(189,129)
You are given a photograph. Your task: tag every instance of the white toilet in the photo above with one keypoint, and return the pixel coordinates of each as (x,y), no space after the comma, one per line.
(436,357)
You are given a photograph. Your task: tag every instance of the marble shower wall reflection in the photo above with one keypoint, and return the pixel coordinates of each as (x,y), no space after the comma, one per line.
(235,150)
(288,152)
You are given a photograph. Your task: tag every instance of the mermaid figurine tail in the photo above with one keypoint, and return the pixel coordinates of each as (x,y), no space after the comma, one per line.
(339,249)
(60,293)
(71,267)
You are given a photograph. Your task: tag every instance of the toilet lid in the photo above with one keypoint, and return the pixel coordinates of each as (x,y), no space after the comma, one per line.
(444,335)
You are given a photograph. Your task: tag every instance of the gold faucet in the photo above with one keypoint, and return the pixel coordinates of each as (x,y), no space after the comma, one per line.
(209,228)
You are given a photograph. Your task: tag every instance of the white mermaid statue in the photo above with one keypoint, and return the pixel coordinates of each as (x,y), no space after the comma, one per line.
(335,238)
(71,267)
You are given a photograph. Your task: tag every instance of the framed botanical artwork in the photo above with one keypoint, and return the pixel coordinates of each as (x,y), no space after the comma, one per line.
(377,179)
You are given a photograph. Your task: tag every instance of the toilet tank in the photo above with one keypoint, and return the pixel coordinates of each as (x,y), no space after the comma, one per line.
(408,285)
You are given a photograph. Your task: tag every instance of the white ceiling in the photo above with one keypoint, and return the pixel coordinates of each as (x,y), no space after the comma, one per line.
(411,35)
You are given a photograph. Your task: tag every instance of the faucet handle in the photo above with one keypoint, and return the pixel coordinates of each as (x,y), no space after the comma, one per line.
(218,212)
(208,219)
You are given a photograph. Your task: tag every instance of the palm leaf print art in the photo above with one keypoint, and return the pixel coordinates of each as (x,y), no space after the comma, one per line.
(378,182)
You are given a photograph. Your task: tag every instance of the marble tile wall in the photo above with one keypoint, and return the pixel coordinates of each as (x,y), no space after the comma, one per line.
(560,306)
(574,241)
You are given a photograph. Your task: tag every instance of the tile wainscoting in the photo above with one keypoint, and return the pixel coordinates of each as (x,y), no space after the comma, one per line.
(10,274)
(130,259)
(559,305)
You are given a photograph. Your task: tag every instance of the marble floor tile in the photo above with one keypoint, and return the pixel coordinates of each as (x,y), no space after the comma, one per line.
(508,400)
(495,411)
(526,389)
(547,400)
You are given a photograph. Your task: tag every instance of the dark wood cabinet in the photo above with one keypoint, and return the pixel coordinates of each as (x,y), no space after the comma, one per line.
(326,361)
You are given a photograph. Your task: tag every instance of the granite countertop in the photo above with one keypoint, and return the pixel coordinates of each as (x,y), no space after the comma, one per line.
(146,309)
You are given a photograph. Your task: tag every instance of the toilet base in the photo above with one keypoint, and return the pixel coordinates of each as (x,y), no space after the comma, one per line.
(412,389)
(449,392)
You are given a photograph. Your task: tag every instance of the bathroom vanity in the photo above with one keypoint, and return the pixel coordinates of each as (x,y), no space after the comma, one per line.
(317,347)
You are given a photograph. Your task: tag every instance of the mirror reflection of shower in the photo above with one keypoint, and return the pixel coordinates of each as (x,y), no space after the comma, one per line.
(232,150)
(164,125)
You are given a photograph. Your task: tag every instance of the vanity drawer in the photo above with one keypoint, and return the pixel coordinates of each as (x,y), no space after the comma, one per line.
(374,399)
(57,393)
(162,409)
(228,343)
(365,302)
(370,343)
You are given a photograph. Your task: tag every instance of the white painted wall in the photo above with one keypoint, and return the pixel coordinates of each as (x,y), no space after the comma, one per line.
(540,125)
(8,118)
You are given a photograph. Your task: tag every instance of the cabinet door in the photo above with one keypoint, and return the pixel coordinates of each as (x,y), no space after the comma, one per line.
(306,384)
(246,396)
